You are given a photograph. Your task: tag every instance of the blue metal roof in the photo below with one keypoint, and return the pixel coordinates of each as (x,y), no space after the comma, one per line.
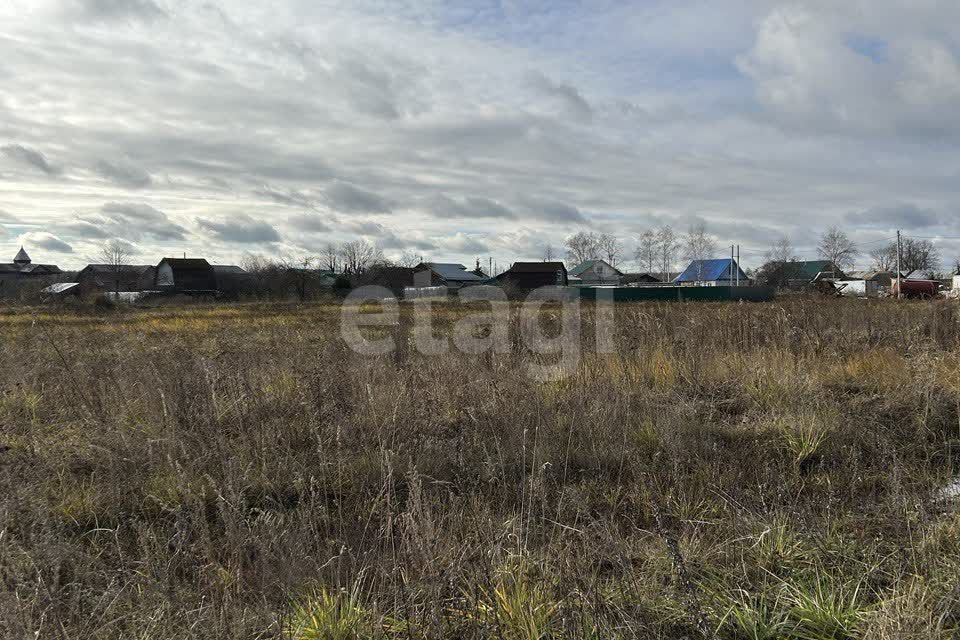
(708,270)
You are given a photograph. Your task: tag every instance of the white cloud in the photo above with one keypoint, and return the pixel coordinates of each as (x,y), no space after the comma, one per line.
(45,241)
(241,229)
(447,126)
(29,157)
(124,173)
(807,69)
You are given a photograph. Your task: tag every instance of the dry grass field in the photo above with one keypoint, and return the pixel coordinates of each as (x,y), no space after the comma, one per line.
(731,471)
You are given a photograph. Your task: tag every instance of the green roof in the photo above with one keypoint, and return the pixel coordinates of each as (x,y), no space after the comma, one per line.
(588,264)
(808,269)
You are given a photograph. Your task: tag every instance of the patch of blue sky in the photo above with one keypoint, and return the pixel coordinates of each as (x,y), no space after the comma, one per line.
(868,46)
(619,45)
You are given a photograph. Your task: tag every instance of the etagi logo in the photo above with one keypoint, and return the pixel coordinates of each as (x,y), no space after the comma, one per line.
(545,326)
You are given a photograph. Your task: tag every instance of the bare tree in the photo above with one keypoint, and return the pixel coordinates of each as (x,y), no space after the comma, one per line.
(609,248)
(699,246)
(668,244)
(548,253)
(885,257)
(262,271)
(915,255)
(331,257)
(918,255)
(582,246)
(302,275)
(838,248)
(781,251)
(777,270)
(253,262)
(646,252)
(116,255)
(358,255)
(409,259)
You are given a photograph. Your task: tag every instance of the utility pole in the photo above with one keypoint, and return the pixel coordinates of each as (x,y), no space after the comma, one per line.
(738,265)
(899,292)
(732,263)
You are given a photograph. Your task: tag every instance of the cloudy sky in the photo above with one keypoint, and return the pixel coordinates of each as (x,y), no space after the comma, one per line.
(457,128)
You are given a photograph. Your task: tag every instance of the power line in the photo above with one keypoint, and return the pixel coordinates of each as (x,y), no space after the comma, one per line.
(862,244)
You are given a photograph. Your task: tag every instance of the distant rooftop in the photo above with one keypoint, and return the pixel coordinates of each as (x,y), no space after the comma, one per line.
(453,272)
(537,267)
(586,265)
(709,270)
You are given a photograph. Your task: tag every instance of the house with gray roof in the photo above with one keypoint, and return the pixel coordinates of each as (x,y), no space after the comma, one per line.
(13,275)
(116,278)
(595,273)
(453,276)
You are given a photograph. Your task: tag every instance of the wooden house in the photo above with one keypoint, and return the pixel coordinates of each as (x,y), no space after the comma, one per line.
(116,278)
(453,276)
(23,271)
(533,275)
(721,271)
(186,275)
(596,272)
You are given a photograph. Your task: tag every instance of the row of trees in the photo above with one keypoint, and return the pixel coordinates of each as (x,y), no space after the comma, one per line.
(587,245)
(277,276)
(658,249)
(916,254)
(358,256)
(352,258)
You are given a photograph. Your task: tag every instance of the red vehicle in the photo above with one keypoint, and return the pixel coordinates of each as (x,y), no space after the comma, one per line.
(915,288)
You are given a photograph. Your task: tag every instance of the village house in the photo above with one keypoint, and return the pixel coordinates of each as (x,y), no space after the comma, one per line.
(532,275)
(717,272)
(453,276)
(640,279)
(596,273)
(185,275)
(882,278)
(197,276)
(23,271)
(800,273)
(116,278)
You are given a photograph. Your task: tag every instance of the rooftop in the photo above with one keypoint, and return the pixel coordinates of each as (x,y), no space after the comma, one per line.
(586,265)
(453,271)
(708,270)
(187,263)
(537,267)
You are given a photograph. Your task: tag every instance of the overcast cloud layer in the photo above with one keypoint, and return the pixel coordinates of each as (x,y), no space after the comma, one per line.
(458,129)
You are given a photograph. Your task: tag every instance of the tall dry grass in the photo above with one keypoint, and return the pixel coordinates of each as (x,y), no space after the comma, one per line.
(732,471)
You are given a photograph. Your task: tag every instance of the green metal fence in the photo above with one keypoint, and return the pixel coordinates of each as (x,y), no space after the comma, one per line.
(678,294)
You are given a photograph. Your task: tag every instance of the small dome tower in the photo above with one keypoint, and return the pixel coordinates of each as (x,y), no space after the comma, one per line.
(22,257)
